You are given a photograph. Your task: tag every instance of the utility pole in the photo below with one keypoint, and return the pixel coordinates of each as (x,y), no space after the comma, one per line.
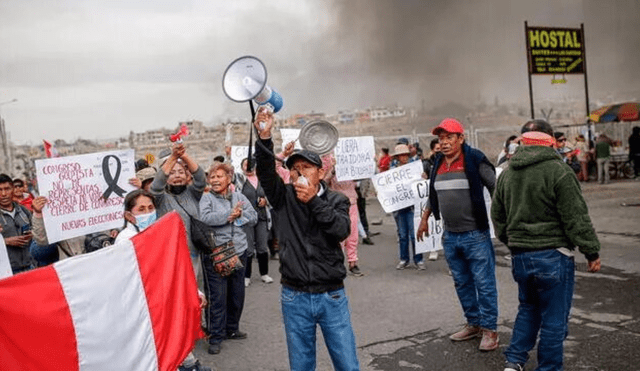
(6,151)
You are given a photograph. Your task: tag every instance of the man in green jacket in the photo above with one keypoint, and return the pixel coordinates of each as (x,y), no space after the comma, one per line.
(539,213)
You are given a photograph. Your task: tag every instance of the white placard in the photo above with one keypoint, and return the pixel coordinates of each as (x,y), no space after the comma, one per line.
(355,158)
(85,193)
(5,265)
(238,153)
(289,135)
(395,186)
(433,242)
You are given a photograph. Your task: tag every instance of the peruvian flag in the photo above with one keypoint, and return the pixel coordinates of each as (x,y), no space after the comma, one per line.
(131,306)
(50,150)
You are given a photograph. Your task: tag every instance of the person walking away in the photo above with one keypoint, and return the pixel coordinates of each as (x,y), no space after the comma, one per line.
(603,157)
(456,193)
(634,150)
(229,212)
(538,211)
(404,221)
(312,220)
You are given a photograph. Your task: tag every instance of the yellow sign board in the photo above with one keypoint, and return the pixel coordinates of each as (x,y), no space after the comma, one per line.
(553,50)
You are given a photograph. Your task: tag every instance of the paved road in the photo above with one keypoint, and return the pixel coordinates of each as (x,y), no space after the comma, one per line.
(402,318)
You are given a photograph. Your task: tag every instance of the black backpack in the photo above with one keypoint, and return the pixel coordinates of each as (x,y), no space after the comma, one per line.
(96,241)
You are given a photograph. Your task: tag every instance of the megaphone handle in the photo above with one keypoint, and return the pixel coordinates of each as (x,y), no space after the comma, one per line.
(253,114)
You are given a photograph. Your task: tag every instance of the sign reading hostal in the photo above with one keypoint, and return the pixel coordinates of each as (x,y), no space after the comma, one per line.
(553,50)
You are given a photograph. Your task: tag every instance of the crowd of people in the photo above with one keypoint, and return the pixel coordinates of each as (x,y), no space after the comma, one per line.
(291,207)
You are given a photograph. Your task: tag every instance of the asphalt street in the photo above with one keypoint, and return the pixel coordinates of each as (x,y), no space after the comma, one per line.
(402,319)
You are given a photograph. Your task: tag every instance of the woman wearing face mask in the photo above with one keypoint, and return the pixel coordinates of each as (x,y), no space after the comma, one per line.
(228,212)
(139,213)
(179,185)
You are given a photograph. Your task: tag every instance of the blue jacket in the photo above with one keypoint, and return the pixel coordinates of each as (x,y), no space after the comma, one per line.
(472,159)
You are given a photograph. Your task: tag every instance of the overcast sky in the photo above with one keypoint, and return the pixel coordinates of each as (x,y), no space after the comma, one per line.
(98,69)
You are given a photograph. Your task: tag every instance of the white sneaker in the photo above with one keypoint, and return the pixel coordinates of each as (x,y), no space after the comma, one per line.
(247,282)
(266,279)
(433,255)
(402,264)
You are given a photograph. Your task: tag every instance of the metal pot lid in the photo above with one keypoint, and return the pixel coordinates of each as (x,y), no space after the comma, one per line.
(319,136)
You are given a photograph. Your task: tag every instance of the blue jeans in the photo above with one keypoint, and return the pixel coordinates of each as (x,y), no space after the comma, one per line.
(226,299)
(404,223)
(301,312)
(472,261)
(545,288)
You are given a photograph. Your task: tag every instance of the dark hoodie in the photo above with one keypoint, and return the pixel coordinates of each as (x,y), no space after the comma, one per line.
(538,205)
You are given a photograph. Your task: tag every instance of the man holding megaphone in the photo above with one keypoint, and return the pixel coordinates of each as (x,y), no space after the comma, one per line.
(312,221)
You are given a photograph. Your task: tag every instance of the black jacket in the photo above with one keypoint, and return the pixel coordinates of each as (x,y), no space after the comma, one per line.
(311,258)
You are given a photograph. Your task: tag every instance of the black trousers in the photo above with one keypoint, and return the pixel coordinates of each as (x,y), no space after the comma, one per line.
(226,299)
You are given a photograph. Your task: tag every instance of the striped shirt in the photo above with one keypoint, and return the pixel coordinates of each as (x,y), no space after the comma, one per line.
(454,194)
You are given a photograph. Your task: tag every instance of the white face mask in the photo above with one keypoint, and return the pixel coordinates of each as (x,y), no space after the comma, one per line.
(144,220)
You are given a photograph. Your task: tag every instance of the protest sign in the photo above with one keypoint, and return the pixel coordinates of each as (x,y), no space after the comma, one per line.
(395,186)
(289,135)
(433,241)
(355,158)
(85,193)
(238,153)
(5,265)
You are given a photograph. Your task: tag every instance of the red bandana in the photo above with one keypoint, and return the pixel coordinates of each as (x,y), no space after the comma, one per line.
(537,138)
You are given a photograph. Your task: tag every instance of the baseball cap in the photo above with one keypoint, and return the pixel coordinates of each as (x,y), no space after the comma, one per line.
(146,174)
(403,140)
(450,125)
(305,154)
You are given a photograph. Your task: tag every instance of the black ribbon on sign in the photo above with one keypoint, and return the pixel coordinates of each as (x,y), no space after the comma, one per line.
(112,182)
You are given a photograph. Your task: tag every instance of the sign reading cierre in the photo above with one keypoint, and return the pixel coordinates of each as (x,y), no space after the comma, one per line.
(553,50)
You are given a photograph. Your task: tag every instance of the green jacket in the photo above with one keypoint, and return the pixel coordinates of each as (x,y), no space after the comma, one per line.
(537,204)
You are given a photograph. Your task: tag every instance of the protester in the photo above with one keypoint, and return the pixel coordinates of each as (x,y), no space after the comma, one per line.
(21,193)
(505,160)
(258,234)
(347,188)
(143,178)
(15,221)
(456,192)
(385,160)
(174,189)
(505,149)
(603,157)
(583,158)
(404,221)
(539,213)
(139,213)
(312,220)
(362,188)
(228,212)
(634,150)
(427,163)
(40,249)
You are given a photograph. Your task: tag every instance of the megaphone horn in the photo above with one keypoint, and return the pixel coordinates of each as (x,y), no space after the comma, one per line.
(244,79)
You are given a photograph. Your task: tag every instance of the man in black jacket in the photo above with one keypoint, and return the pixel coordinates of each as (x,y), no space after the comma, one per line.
(312,220)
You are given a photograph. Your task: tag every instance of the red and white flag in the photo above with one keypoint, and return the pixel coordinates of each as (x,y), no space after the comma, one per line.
(50,150)
(131,306)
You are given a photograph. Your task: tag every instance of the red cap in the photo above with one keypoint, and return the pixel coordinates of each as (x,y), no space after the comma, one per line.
(450,126)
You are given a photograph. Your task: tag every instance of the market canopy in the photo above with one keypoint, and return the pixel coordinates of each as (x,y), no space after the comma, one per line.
(616,112)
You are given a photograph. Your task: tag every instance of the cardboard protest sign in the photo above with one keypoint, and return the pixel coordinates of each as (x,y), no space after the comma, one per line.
(5,265)
(355,158)
(395,186)
(289,135)
(238,153)
(85,193)
(433,242)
